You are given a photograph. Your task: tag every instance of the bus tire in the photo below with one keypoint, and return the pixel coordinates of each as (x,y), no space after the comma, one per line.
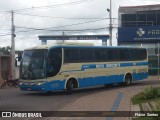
(70,86)
(128,80)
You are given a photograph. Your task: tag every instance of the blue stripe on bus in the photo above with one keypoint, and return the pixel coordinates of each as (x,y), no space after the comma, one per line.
(126,64)
(83,82)
(141,63)
(139,76)
(93,81)
(110,65)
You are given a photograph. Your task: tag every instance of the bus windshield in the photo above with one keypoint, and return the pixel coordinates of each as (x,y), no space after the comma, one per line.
(33,64)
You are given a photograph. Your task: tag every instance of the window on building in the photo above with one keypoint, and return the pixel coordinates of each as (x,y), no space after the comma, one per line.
(151,17)
(158,17)
(129,20)
(141,19)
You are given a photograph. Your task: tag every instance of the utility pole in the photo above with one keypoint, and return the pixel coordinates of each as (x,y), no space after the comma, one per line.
(13,45)
(63,36)
(110,25)
(158,63)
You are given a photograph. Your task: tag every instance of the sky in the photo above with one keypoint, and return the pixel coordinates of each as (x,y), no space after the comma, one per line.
(53,17)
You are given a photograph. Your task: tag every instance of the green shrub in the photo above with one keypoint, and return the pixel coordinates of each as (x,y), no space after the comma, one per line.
(150,93)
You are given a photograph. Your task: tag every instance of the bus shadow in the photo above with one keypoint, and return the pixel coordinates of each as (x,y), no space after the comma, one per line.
(146,83)
(82,91)
(96,89)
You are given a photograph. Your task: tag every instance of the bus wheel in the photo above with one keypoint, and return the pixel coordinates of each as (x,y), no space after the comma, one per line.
(128,79)
(70,86)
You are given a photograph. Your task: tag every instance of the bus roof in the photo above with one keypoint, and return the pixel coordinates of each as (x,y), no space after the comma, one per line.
(61,44)
(72,44)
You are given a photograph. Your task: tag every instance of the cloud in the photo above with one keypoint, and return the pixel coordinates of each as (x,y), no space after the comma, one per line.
(89,9)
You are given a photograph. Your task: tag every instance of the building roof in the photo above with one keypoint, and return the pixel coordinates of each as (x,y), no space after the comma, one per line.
(134,9)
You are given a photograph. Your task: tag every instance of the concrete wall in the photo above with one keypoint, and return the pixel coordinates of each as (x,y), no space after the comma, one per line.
(5,67)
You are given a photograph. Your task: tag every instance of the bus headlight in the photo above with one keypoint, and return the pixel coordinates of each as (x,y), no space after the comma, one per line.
(40,83)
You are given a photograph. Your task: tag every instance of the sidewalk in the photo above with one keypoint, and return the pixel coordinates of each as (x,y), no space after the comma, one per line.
(117,99)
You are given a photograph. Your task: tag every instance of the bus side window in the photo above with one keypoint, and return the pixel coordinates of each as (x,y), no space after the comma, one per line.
(85,54)
(49,69)
(70,55)
(143,54)
(55,59)
(100,55)
(134,54)
(124,54)
(112,55)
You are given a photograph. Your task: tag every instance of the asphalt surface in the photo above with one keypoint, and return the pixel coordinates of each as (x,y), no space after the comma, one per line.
(12,99)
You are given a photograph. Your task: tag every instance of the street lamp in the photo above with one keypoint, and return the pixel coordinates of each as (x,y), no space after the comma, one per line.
(108,9)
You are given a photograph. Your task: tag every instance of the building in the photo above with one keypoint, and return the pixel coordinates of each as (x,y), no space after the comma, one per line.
(5,67)
(140,26)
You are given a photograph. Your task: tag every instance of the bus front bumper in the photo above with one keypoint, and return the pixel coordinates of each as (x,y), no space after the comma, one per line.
(42,86)
(32,88)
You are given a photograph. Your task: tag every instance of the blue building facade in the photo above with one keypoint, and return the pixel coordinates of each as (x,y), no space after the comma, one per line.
(140,26)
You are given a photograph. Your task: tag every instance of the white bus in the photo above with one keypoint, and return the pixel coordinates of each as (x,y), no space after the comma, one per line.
(70,66)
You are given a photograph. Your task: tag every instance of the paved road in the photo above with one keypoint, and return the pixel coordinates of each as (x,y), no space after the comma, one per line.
(16,100)
(96,99)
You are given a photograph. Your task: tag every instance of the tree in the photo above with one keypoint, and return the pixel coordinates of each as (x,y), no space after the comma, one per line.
(5,50)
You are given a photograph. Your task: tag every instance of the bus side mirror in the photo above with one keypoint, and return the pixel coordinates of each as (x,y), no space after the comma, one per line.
(15,62)
(19,56)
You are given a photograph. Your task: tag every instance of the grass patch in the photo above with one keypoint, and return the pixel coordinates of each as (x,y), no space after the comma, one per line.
(148,95)
(150,105)
(146,118)
(140,106)
(158,105)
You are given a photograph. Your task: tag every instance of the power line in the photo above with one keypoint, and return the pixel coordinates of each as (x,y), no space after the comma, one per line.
(6,41)
(5,28)
(57,17)
(5,34)
(2,15)
(93,29)
(49,29)
(56,5)
(62,17)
